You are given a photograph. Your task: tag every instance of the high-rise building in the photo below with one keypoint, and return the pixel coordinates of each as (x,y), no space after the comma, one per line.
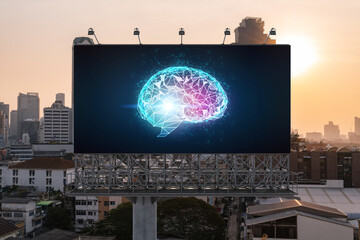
(4,108)
(2,130)
(57,125)
(331,131)
(251,31)
(357,126)
(60,97)
(28,109)
(13,123)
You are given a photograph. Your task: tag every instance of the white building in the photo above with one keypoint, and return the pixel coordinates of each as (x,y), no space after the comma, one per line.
(57,125)
(22,209)
(45,174)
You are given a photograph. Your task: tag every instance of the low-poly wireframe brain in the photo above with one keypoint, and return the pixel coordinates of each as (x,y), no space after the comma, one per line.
(181,94)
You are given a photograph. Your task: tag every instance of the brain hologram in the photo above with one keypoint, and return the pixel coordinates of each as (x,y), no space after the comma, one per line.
(181,94)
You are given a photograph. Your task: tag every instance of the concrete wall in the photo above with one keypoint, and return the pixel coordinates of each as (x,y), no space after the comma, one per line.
(311,228)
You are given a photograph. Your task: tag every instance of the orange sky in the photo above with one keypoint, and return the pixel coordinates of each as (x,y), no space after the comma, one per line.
(36,38)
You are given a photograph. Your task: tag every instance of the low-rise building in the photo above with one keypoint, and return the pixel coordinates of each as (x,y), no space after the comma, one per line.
(296,219)
(22,209)
(45,174)
(90,209)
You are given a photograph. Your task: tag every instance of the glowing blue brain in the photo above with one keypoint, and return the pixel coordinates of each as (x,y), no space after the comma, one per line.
(181,94)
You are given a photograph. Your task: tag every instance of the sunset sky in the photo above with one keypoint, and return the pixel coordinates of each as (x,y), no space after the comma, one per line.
(36,44)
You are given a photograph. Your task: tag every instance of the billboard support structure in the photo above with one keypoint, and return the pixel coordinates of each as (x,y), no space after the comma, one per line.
(171,175)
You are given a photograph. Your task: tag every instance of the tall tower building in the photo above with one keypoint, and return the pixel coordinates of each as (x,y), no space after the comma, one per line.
(357,126)
(331,131)
(13,123)
(28,109)
(4,108)
(251,31)
(57,125)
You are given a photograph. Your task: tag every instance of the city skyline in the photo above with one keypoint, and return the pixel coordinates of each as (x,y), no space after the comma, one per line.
(36,54)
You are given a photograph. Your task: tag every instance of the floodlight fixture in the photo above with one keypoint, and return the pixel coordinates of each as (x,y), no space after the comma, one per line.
(272,32)
(137,33)
(226,33)
(181,33)
(92,32)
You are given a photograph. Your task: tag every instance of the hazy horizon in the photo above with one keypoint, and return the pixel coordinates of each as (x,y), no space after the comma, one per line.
(36,45)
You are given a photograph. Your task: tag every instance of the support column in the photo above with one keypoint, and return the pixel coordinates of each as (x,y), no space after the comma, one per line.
(144,218)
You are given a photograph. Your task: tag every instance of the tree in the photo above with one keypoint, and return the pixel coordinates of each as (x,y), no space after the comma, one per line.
(118,223)
(58,218)
(191,218)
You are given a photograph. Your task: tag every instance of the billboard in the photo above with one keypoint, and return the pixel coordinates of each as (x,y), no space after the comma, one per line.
(181,98)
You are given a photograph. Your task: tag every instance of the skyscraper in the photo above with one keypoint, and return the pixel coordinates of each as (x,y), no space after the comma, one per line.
(4,108)
(57,125)
(28,109)
(357,126)
(251,31)
(13,123)
(331,131)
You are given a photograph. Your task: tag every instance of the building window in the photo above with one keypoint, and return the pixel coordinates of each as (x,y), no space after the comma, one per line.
(7,214)
(48,181)
(112,203)
(48,173)
(0,179)
(90,221)
(15,180)
(0,171)
(106,213)
(31,213)
(81,221)
(15,172)
(18,215)
(64,173)
(80,213)
(89,202)
(106,203)
(90,213)
(31,180)
(48,189)
(31,172)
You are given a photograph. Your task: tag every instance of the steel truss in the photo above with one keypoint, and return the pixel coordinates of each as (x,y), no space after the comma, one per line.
(167,175)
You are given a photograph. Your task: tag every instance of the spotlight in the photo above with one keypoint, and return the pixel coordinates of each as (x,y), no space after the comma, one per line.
(272,32)
(92,32)
(181,33)
(226,32)
(137,33)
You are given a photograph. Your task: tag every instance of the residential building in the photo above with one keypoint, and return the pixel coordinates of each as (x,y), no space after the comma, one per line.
(331,131)
(28,109)
(22,209)
(251,31)
(314,136)
(45,174)
(57,126)
(90,209)
(296,219)
(357,125)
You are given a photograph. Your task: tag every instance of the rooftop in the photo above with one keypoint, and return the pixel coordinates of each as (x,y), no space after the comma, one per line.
(15,200)
(45,163)
(306,207)
(6,227)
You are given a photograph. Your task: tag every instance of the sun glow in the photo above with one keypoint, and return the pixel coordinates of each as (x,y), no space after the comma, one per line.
(303,53)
